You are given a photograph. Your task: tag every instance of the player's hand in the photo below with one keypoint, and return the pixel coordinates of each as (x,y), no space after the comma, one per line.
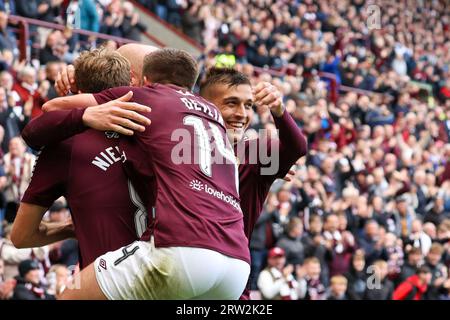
(117,115)
(289,176)
(268,95)
(65,81)
(51,228)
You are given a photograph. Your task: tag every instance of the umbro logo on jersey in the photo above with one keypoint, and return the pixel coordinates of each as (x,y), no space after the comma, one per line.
(112,135)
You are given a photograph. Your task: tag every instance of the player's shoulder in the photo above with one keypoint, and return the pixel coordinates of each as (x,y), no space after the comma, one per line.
(124,89)
(177,91)
(59,148)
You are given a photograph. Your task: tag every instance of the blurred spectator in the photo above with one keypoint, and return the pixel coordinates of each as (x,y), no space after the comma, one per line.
(415,286)
(53,12)
(436,214)
(226,59)
(291,242)
(316,290)
(381,288)
(88,15)
(394,250)
(340,244)
(19,167)
(338,288)
(191,23)
(11,122)
(57,277)
(438,271)
(7,38)
(51,72)
(62,252)
(6,287)
(414,260)
(29,286)
(372,243)
(112,19)
(173,12)
(56,49)
(418,238)
(131,27)
(161,9)
(25,88)
(12,256)
(8,6)
(357,277)
(35,9)
(276,280)
(315,245)
(262,239)
(405,215)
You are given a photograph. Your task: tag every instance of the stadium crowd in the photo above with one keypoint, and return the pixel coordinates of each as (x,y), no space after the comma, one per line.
(366,214)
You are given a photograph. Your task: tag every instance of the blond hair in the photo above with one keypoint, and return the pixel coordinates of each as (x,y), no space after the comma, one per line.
(339,279)
(101,69)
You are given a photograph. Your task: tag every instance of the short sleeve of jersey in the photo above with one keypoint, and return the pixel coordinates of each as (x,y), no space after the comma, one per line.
(111,94)
(50,175)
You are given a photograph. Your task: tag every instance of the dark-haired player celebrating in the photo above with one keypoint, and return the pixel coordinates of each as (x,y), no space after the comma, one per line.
(231,91)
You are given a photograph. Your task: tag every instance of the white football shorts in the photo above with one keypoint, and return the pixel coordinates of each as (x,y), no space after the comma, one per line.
(142,271)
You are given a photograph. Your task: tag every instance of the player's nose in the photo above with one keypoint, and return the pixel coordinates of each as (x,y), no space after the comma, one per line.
(241,111)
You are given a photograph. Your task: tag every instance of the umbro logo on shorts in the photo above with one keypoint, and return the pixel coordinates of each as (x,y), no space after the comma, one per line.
(103,264)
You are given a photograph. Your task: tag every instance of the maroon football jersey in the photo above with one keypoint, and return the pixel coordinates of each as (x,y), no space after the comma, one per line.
(197,199)
(87,169)
(253,184)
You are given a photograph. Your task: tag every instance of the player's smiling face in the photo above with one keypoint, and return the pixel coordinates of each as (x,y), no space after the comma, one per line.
(235,105)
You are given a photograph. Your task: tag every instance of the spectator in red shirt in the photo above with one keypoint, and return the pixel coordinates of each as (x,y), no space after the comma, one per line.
(414,287)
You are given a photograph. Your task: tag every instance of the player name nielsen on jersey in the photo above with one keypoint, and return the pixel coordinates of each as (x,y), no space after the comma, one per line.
(108,157)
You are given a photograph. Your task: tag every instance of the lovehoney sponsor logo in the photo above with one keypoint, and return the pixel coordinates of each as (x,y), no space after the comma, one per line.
(199,186)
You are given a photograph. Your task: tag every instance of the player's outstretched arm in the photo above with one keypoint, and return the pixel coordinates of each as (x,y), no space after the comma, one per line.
(118,115)
(53,127)
(27,231)
(292,143)
(77,101)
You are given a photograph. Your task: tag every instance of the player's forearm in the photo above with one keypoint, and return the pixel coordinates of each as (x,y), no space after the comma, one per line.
(70,102)
(53,127)
(39,238)
(293,143)
(27,231)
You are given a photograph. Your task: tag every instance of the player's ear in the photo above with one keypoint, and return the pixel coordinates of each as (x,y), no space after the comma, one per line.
(146,81)
(133,78)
